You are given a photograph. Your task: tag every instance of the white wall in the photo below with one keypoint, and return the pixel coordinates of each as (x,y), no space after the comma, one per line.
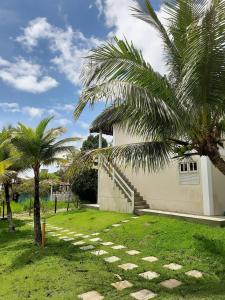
(162,190)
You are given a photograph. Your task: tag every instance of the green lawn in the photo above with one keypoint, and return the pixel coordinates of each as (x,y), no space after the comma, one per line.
(63,271)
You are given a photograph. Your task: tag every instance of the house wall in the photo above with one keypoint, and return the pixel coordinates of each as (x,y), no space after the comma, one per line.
(109,196)
(218,191)
(162,190)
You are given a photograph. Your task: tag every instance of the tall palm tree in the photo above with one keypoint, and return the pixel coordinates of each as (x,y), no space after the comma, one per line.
(40,146)
(181,112)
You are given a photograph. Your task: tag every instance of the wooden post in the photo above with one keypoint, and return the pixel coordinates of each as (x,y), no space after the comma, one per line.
(3,210)
(43,233)
(55,203)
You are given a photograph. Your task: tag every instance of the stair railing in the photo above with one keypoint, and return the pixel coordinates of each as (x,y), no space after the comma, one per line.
(118,179)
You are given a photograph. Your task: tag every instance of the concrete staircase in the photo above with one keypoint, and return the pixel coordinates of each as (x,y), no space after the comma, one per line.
(125,186)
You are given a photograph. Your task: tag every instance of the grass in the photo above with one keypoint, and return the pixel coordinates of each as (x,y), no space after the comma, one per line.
(62,271)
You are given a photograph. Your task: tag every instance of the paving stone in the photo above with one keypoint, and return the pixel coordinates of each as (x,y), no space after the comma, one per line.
(106,230)
(116,225)
(66,230)
(173,266)
(89,247)
(150,258)
(135,217)
(194,273)
(121,285)
(95,240)
(125,221)
(57,234)
(149,275)
(85,236)
(133,252)
(63,237)
(111,259)
(99,252)
(78,243)
(92,295)
(143,295)
(79,234)
(171,283)
(69,239)
(95,233)
(118,247)
(128,266)
(107,244)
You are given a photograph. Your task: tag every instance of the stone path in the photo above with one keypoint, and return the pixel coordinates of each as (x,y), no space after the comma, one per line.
(70,236)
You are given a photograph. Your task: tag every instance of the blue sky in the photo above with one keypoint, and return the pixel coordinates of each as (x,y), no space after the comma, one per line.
(42,45)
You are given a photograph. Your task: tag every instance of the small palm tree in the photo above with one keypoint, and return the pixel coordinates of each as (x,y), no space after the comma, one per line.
(7,170)
(181,112)
(38,147)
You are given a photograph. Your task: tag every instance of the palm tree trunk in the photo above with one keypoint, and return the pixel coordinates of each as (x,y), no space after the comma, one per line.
(217,161)
(9,210)
(37,217)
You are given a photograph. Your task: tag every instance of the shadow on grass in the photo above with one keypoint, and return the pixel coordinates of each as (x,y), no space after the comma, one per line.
(210,245)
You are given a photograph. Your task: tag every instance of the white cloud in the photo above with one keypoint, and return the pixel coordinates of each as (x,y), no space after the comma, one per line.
(68,46)
(9,106)
(63,122)
(118,18)
(100,6)
(26,76)
(33,111)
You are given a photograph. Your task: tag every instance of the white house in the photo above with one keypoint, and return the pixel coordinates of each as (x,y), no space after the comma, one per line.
(191,186)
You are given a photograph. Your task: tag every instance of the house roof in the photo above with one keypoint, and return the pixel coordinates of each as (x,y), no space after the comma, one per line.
(105,121)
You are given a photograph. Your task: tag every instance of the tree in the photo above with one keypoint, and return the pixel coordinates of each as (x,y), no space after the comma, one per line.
(39,147)
(182,112)
(81,174)
(8,154)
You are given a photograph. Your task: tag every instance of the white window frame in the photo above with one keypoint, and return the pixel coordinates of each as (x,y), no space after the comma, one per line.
(188,163)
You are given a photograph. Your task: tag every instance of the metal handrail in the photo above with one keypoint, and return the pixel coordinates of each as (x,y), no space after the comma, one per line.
(119,180)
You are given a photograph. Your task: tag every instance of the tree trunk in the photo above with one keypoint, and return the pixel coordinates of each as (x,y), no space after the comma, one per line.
(37,217)
(217,161)
(9,210)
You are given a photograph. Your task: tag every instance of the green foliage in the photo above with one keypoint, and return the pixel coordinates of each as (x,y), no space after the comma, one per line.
(81,173)
(187,105)
(92,143)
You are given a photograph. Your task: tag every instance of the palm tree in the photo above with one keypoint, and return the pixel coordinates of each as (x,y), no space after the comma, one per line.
(182,112)
(11,166)
(38,147)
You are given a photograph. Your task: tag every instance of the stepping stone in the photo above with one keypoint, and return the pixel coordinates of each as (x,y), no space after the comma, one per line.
(128,266)
(125,221)
(106,230)
(85,236)
(99,252)
(79,234)
(133,252)
(116,225)
(57,234)
(95,240)
(149,275)
(150,258)
(92,295)
(143,295)
(111,259)
(71,232)
(173,266)
(69,239)
(194,273)
(107,244)
(135,217)
(89,247)
(171,283)
(118,247)
(66,230)
(63,237)
(78,243)
(96,233)
(121,285)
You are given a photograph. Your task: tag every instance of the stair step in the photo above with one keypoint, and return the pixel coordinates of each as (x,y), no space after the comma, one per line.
(141,206)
